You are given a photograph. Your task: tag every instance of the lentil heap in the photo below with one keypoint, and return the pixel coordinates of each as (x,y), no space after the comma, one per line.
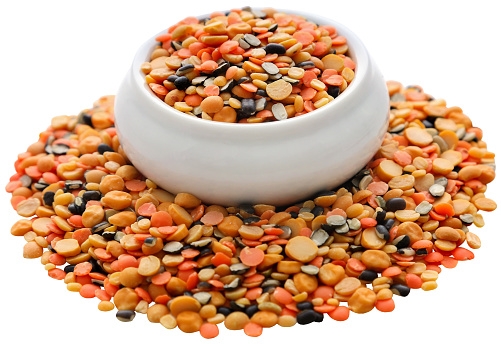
(249,66)
(97,224)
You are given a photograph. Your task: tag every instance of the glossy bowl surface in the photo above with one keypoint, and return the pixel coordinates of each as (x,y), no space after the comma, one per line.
(275,163)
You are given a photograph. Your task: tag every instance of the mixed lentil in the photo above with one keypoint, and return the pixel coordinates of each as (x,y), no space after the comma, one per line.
(249,66)
(109,233)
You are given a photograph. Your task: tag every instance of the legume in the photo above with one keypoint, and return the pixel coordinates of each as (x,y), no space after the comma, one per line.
(221,67)
(193,266)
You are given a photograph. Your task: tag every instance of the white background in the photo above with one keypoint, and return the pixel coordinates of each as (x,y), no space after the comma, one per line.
(57,57)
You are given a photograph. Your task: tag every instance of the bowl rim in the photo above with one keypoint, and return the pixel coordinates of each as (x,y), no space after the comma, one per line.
(358,52)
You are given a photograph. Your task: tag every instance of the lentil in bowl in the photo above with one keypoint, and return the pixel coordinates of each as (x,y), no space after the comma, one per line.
(249,66)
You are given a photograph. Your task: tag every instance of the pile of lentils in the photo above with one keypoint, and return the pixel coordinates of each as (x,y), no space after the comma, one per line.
(109,233)
(249,66)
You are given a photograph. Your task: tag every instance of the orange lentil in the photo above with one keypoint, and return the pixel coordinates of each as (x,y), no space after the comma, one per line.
(211,90)
(220,258)
(387,305)
(147,209)
(161,278)
(88,290)
(56,273)
(308,77)
(161,218)
(355,265)
(402,158)
(413,281)
(449,262)
(82,269)
(324,308)
(251,256)
(57,259)
(102,295)
(341,313)
(444,209)
(208,330)
(212,218)
(255,293)
(143,294)
(434,257)
(391,271)
(135,185)
(461,253)
(253,330)
(334,80)
(249,87)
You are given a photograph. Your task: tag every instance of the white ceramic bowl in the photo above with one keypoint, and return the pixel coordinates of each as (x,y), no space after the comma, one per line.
(275,163)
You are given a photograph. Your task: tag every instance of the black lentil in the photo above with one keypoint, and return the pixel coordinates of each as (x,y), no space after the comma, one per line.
(48,198)
(103,148)
(400,289)
(333,91)
(69,268)
(273,28)
(221,69)
(407,251)
(368,275)
(306,317)
(394,204)
(275,48)
(228,86)
(388,223)
(182,83)
(126,315)
(150,241)
(91,196)
(237,307)
(248,106)
(304,305)
(306,65)
(382,232)
(251,310)
(402,241)
(224,311)
(251,219)
(380,216)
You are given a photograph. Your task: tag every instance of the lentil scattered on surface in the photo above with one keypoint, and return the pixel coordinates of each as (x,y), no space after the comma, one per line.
(114,235)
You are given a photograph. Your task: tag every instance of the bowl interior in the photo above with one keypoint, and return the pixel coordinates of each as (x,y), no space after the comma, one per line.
(356,50)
